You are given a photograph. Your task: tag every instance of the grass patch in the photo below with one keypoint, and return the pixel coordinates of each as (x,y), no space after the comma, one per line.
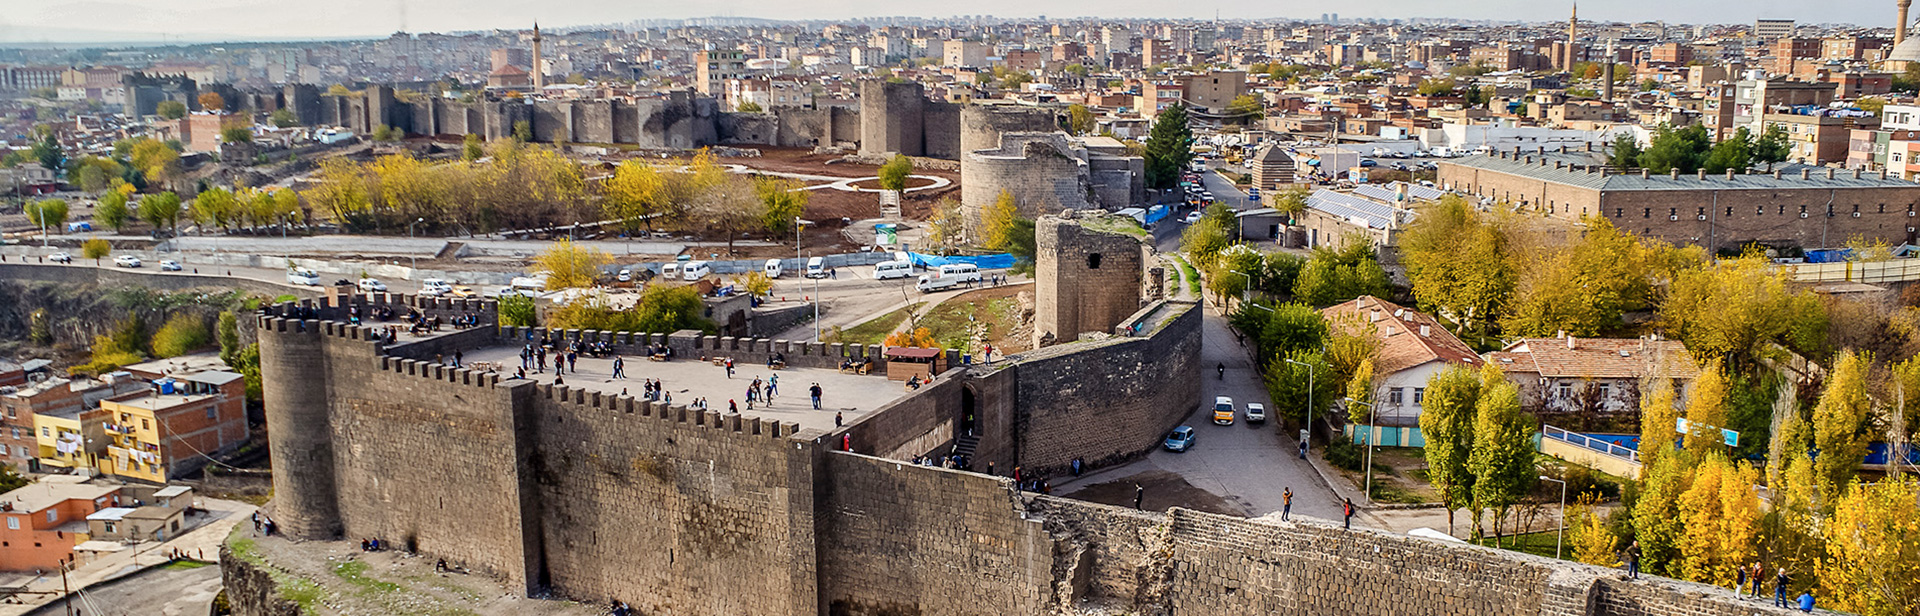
(1537,544)
(355,573)
(301,592)
(179,565)
(1387,492)
(1124,225)
(876,329)
(1193,275)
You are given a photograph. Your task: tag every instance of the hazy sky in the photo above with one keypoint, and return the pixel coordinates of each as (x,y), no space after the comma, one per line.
(35,21)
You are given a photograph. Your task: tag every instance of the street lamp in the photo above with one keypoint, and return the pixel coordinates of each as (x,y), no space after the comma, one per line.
(1306,431)
(1563,514)
(1246,290)
(1373,417)
(414,255)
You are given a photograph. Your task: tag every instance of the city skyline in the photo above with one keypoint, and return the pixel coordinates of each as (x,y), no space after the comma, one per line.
(200,21)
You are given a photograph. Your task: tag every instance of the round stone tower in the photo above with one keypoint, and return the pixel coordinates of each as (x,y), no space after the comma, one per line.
(982,125)
(293,379)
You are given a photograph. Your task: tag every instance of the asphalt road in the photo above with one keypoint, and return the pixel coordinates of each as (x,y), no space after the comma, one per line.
(160,591)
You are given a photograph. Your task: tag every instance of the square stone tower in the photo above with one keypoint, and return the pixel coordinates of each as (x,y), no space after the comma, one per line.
(1087,272)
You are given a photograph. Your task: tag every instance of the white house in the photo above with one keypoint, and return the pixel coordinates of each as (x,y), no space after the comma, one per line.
(1413,347)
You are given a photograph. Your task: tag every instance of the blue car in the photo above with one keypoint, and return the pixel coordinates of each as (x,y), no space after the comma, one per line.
(1181,439)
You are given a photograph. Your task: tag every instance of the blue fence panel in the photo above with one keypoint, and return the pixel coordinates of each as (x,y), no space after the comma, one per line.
(999,261)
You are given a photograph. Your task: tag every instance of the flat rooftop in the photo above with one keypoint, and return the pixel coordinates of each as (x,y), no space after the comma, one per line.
(687,379)
(40,495)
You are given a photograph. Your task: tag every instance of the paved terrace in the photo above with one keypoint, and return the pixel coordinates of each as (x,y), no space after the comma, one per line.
(687,379)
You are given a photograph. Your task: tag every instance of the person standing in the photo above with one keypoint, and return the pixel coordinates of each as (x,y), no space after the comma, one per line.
(814,391)
(1780,587)
(1755,576)
(1633,559)
(838,418)
(729,367)
(1739,579)
(773,386)
(1346,508)
(1286,503)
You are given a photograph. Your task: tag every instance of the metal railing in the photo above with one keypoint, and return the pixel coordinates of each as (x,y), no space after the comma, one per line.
(1588,442)
(1870,272)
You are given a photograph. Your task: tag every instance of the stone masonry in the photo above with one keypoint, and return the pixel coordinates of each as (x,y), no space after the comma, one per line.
(1087,278)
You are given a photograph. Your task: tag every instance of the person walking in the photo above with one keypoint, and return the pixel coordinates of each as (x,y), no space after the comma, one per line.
(1346,508)
(1286,503)
(1755,576)
(729,367)
(1139,494)
(814,391)
(1780,587)
(1633,559)
(773,386)
(619,368)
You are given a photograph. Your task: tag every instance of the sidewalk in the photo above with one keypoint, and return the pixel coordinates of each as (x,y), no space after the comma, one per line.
(201,543)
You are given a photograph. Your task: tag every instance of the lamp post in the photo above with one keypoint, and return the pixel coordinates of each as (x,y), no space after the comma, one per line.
(1246,290)
(1373,416)
(415,256)
(1557,538)
(1306,431)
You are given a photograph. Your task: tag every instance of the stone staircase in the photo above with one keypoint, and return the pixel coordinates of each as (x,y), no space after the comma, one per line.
(965,445)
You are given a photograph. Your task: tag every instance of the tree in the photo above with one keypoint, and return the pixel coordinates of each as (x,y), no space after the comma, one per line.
(161,210)
(569,265)
(1774,146)
(1721,516)
(383,133)
(1333,276)
(748,107)
(1284,329)
(758,284)
(635,194)
(1301,376)
(1447,419)
(113,211)
(1232,272)
(998,222)
(1684,149)
(47,214)
(158,161)
(236,134)
(1360,388)
(919,337)
(1840,424)
(470,149)
(1593,542)
(1735,309)
(1080,120)
(523,131)
(1437,87)
(1169,147)
(1458,263)
(732,208)
(171,110)
(1656,513)
(1501,458)
(1291,201)
(1873,540)
(661,309)
(227,331)
(1731,154)
(518,311)
(946,227)
(95,249)
(782,202)
(212,101)
(1707,410)
(283,118)
(1658,415)
(893,175)
(183,334)
(215,206)
(1246,108)
(1584,287)
(96,174)
(1205,240)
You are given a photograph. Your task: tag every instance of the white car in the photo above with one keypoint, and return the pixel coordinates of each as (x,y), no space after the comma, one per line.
(127,261)
(169,265)
(1256,412)
(1194,217)
(372,285)
(60,257)
(303,277)
(434,287)
(626,275)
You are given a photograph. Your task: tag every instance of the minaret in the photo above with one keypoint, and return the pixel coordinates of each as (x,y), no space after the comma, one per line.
(1606,75)
(1900,28)
(539,72)
(1573,32)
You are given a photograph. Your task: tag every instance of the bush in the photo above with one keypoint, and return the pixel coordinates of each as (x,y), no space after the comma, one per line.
(95,249)
(181,335)
(1346,455)
(518,311)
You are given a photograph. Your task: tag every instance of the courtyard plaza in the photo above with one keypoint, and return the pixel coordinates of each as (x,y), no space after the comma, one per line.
(686,379)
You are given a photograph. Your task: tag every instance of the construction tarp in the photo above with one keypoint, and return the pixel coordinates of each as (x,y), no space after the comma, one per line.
(999,261)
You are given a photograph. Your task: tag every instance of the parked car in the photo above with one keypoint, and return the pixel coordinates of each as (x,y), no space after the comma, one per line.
(303,277)
(127,261)
(169,265)
(1194,217)
(625,275)
(465,292)
(772,268)
(60,257)
(1368,162)
(816,267)
(435,287)
(372,285)
(1180,439)
(935,283)
(1256,413)
(1223,410)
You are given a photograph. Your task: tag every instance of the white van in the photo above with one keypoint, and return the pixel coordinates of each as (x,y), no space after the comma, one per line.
(817,267)
(696,270)
(529,286)
(930,284)
(772,269)
(670,271)
(886,270)
(435,287)
(303,277)
(962,273)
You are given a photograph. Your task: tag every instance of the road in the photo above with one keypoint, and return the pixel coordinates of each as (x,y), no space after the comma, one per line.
(1246,465)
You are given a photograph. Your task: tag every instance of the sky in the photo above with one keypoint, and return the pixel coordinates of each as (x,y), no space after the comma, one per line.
(99,21)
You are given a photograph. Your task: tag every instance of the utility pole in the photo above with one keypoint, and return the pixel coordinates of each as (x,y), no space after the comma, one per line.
(66,591)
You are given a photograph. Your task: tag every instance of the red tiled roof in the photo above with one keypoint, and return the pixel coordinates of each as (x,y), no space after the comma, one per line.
(508,69)
(1613,358)
(1403,341)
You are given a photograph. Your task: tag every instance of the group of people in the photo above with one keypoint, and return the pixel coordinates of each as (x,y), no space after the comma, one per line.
(1750,576)
(851,364)
(534,357)
(263,525)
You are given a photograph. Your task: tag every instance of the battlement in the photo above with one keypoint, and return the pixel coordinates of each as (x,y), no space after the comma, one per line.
(339,307)
(743,425)
(440,372)
(695,345)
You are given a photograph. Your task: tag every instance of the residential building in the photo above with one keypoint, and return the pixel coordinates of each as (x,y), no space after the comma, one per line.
(1769,29)
(1413,348)
(1819,135)
(175,428)
(958,53)
(45,519)
(1154,52)
(148,523)
(1593,375)
(1369,213)
(203,129)
(714,66)
(1213,91)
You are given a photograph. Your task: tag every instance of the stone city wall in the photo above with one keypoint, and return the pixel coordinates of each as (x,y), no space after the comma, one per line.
(152,279)
(1107,401)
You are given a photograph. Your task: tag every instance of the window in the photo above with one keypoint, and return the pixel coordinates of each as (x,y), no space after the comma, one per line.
(1393,396)
(1565,389)
(1606,389)
(1419,395)
(1729,211)
(13,522)
(1648,213)
(143,424)
(46,431)
(1673,211)
(1619,212)
(1093,261)
(53,515)
(109,527)
(213,412)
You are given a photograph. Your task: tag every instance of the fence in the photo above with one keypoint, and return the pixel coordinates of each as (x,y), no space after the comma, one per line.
(1874,272)
(1600,445)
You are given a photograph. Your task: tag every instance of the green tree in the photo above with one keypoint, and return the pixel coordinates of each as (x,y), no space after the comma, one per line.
(10,481)
(113,211)
(1360,388)
(1291,201)
(1448,416)
(470,148)
(569,265)
(784,201)
(1246,108)
(1657,520)
(1205,240)
(95,249)
(1672,148)
(1501,458)
(283,118)
(1840,424)
(227,330)
(236,134)
(1731,154)
(1437,87)
(518,311)
(1169,147)
(523,131)
(1774,145)
(1333,276)
(48,214)
(1458,263)
(1301,384)
(893,175)
(161,210)
(215,206)
(183,334)
(1625,153)
(382,133)
(171,110)
(1080,120)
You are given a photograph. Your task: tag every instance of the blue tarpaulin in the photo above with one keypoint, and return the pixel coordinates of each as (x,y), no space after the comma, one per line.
(999,261)
(1829,256)
(1156,214)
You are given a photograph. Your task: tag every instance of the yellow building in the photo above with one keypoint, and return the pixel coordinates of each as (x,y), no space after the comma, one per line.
(133,442)
(65,442)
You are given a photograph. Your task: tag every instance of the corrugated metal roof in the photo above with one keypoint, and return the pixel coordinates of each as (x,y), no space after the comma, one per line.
(1633,182)
(1353,207)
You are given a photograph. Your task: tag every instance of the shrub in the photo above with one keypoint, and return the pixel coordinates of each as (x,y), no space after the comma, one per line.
(181,335)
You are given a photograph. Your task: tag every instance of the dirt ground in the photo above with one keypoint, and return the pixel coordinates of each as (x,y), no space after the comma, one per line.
(1009,326)
(1163,490)
(350,581)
